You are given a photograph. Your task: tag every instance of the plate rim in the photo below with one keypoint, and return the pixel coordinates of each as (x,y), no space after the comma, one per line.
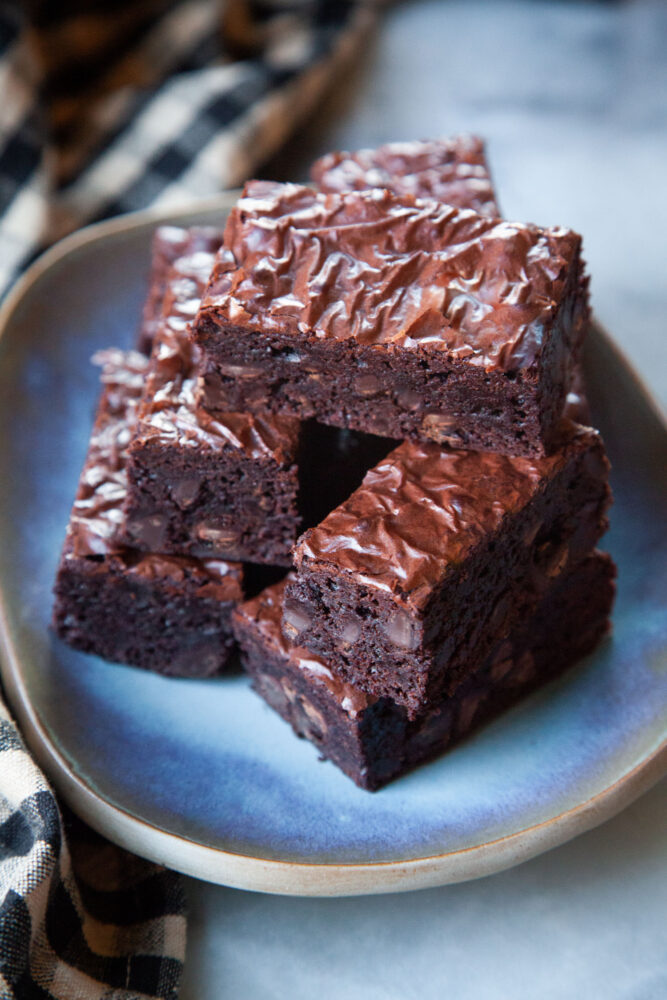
(242,871)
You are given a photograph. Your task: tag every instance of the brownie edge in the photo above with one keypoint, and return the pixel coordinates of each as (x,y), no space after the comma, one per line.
(199,484)
(372,740)
(405,585)
(453,170)
(393,316)
(169,614)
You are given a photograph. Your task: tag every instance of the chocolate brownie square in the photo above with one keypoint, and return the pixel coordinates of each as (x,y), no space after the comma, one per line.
(405,586)
(170,243)
(372,739)
(394,316)
(164,613)
(203,484)
(452,170)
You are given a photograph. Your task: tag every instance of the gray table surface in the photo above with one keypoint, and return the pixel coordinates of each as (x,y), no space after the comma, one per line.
(572,99)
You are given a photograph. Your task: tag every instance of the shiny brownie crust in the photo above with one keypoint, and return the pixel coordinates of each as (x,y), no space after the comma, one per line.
(452,170)
(170,243)
(165,613)
(208,485)
(372,740)
(405,586)
(371,312)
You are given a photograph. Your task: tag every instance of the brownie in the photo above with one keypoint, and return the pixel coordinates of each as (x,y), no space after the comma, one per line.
(452,170)
(404,587)
(393,316)
(170,243)
(203,484)
(372,739)
(165,613)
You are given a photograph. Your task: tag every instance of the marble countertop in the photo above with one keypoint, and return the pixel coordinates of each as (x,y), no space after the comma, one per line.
(572,100)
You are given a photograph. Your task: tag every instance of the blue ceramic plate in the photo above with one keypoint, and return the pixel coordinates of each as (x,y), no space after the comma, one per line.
(201,774)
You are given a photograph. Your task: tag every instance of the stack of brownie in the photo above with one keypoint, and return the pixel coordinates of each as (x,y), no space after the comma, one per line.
(386,322)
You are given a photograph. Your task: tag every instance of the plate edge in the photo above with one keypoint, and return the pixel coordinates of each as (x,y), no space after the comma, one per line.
(316,879)
(242,871)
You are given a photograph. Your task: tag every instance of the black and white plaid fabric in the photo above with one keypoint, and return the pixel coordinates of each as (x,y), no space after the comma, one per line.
(112,105)
(79,918)
(108,106)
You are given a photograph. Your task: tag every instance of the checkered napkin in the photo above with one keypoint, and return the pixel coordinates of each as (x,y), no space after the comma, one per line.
(108,106)
(78,916)
(112,105)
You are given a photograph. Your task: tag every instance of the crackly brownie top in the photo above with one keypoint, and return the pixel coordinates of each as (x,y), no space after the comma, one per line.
(451,170)
(421,512)
(97,511)
(263,614)
(169,409)
(170,243)
(372,267)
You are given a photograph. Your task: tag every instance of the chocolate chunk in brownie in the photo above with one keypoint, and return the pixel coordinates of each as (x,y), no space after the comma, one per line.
(165,613)
(394,316)
(372,739)
(452,170)
(405,586)
(170,243)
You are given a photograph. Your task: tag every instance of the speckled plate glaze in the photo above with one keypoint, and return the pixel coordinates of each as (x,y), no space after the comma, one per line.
(202,776)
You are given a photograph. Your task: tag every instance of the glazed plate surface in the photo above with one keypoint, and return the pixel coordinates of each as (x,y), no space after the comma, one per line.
(202,775)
